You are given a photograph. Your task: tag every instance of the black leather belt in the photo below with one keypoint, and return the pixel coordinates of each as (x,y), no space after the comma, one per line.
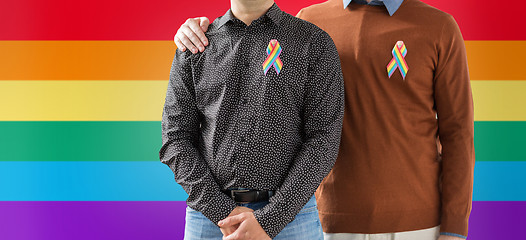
(249,195)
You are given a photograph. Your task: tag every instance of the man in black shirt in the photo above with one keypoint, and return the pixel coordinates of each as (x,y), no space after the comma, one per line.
(252,125)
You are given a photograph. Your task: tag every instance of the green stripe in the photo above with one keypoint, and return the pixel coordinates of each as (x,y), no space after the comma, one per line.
(80,141)
(500,141)
(141,141)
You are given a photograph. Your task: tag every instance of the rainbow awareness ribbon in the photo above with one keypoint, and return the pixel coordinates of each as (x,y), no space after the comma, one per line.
(398,60)
(273,52)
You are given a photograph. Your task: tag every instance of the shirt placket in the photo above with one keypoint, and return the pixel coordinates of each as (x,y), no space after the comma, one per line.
(246,111)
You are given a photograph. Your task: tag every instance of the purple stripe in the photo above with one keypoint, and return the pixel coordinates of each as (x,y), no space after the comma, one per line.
(165,220)
(497,220)
(92,220)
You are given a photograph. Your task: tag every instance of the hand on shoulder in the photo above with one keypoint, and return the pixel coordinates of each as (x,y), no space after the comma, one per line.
(191,35)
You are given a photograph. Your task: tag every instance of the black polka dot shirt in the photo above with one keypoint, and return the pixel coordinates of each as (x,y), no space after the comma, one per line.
(228,122)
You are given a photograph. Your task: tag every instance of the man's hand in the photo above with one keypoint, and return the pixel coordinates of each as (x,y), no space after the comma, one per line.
(230,229)
(249,228)
(444,237)
(191,35)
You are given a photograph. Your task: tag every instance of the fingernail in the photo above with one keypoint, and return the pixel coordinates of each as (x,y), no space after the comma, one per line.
(201,49)
(206,43)
(183,49)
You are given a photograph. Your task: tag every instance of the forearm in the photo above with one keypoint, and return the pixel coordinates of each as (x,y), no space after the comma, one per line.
(194,176)
(311,166)
(454,106)
(180,134)
(457,183)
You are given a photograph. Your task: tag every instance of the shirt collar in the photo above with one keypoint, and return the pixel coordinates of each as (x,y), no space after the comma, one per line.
(391,5)
(274,13)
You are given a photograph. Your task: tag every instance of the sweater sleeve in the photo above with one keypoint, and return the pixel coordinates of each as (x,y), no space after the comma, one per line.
(454,106)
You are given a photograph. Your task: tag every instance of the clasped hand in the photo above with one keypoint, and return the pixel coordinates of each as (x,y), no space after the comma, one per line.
(242,225)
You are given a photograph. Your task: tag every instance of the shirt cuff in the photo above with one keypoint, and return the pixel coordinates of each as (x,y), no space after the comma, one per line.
(272,230)
(219,208)
(454,224)
(453,235)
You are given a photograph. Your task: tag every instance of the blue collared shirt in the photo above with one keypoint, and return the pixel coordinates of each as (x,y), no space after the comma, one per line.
(391,5)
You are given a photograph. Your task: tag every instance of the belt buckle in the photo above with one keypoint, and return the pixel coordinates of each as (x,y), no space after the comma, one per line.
(233,191)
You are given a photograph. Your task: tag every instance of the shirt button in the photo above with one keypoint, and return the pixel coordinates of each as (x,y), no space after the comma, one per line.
(242,139)
(247,64)
(245,101)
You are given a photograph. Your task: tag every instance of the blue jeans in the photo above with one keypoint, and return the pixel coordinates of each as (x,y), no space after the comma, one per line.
(306,225)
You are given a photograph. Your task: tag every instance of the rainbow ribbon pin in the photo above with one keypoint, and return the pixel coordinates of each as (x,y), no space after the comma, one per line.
(398,61)
(273,52)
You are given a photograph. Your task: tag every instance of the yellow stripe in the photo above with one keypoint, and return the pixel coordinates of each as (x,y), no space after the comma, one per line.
(143,100)
(499,100)
(271,56)
(399,55)
(151,60)
(391,64)
(278,61)
(81,100)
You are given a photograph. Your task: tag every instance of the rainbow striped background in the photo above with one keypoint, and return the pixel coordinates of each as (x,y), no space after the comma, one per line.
(82,85)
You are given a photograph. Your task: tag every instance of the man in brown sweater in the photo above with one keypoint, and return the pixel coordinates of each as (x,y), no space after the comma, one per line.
(405,165)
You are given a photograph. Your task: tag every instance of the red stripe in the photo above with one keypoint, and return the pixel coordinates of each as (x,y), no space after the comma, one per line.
(108,19)
(159,19)
(487,20)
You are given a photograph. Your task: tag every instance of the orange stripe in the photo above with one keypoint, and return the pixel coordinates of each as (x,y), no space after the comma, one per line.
(496,60)
(85,60)
(151,60)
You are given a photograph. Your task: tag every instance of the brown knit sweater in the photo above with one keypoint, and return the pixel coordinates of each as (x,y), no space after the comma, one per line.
(389,176)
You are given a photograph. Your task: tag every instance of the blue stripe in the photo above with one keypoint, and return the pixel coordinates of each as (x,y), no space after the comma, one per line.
(398,61)
(392,69)
(500,181)
(154,181)
(267,67)
(275,64)
(278,52)
(88,181)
